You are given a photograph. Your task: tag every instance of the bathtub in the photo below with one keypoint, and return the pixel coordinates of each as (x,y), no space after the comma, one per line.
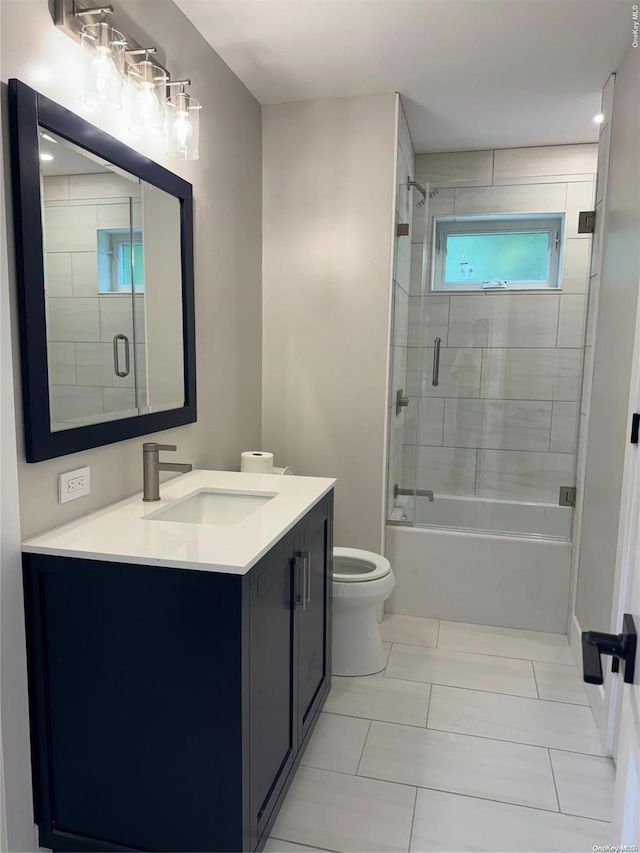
(465,575)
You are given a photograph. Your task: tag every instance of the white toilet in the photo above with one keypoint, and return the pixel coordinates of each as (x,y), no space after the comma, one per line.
(361,581)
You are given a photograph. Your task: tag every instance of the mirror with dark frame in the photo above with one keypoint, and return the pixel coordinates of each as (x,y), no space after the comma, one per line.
(104,250)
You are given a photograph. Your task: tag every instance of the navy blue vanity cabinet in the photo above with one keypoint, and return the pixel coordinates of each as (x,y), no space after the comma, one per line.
(170,707)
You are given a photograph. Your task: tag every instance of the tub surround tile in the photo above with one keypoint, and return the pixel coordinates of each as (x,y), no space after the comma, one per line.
(430,314)
(514,719)
(415,279)
(575,274)
(56,188)
(118,399)
(400,316)
(104,185)
(466,168)
(459,669)
(497,424)
(585,784)
(71,319)
(560,683)
(69,402)
(402,263)
(115,317)
(58,277)
(531,374)
(62,363)
(399,371)
(410,630)
(424,419)
(571,320)
(546,160)
(522,475)
(580,196)
(505,642)
(85,273)
(533,198)
(377,698)
(564,421)
(339,812)
(459,764)
(444,470)
(460,371)
(446,823)
(70,229)
(336,743)
(503,320)
(95,366)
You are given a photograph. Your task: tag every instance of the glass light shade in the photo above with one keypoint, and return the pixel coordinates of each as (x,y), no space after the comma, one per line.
(146,98)
(182,127)
(103,66)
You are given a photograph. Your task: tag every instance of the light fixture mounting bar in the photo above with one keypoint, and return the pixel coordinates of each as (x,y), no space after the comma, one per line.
(71,16)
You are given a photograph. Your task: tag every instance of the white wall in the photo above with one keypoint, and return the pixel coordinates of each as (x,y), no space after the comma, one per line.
(327,239)
(226,182)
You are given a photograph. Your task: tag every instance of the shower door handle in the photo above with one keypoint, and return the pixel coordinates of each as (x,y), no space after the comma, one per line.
(116,356)
(436,362)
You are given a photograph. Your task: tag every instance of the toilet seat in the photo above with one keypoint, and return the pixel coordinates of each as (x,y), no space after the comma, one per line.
(351,565)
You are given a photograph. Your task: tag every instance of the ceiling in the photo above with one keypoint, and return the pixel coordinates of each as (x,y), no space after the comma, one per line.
(473,73)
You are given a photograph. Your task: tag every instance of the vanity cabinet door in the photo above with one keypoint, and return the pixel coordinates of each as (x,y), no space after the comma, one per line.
(313,621)
(271,680)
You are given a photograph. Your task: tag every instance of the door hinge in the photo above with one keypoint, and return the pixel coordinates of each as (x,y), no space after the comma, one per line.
(568,496)
(586,222)
(402,229)
(635,427)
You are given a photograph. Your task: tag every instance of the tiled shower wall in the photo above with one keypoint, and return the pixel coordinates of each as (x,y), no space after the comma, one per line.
(502,422)
(81,322)
(405,167)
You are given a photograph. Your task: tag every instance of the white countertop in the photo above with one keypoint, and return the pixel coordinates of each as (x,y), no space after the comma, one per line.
(121,534)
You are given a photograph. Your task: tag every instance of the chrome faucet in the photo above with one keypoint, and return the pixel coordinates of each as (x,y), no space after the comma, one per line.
(151,467)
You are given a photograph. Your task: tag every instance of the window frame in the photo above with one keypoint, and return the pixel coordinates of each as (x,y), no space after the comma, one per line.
(505,223)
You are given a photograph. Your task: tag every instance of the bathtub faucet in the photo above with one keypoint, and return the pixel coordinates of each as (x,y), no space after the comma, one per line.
(421,493)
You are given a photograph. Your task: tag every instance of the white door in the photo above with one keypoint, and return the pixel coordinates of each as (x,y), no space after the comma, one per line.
(625,227)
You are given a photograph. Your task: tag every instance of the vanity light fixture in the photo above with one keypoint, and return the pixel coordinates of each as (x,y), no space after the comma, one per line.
(182,123)
(599,118)
(46,157)
(111,58)
(104,61)
(147,93)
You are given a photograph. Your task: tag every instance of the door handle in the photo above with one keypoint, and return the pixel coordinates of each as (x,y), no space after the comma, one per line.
(116,356)
(435,380)
(620,646)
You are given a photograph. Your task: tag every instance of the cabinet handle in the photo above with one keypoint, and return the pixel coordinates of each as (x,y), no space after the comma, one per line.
(300,581)
(303,579)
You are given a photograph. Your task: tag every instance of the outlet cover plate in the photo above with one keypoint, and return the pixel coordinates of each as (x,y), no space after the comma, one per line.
(74,484)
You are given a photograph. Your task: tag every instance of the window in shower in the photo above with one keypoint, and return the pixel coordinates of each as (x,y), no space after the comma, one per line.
(497,252)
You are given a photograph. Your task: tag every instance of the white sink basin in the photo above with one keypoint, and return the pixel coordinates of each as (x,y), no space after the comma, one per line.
(211,506)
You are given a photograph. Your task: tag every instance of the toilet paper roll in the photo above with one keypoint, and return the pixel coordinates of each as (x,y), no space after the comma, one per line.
(256,462)
(288,471)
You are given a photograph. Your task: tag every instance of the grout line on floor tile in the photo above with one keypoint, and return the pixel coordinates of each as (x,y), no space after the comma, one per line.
(478,797)
(351,717)
(492,693)
(475,689)
(500,740)
(535,680)
(553,776)
(364,746)
(484,655)
(413,819)
(286,841)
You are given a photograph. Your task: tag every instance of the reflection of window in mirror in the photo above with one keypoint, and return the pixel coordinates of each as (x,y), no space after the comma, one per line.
(118,267)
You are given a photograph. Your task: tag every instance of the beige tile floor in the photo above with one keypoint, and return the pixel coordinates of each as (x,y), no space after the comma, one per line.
(473,738)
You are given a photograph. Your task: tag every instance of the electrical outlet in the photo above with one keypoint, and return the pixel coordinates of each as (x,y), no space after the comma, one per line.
(74,484)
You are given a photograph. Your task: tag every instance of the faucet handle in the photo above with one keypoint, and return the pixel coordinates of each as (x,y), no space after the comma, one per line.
(154,447)
(167,447)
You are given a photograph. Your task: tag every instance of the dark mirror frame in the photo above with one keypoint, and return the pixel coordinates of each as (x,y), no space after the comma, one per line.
(28,110)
